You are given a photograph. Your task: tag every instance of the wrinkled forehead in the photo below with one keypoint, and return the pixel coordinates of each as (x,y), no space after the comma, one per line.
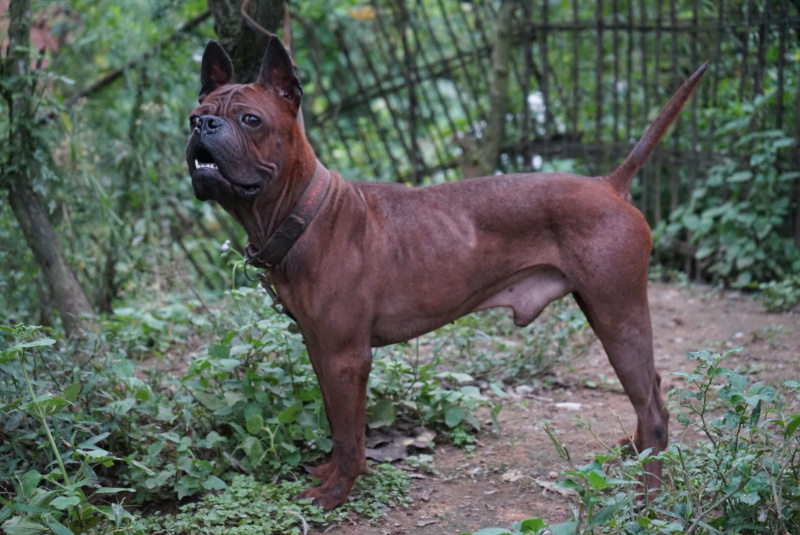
(232,99)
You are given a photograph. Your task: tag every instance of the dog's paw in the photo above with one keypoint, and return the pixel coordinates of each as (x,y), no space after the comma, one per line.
(327,498)
(323,471)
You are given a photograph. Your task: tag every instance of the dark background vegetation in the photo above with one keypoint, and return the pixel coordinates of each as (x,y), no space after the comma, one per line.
(98,223)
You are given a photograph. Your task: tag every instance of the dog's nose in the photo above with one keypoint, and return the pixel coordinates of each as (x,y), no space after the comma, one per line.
(208,124)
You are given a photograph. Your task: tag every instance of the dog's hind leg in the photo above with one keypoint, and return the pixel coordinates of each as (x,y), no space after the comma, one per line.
(621,320)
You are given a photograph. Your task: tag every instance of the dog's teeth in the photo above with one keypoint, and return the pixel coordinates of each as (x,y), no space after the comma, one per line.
(199,165)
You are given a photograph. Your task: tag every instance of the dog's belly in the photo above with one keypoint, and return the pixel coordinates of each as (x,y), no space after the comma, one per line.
(526,292)
(528,296)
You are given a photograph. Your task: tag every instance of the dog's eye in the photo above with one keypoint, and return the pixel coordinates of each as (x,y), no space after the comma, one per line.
(251,120)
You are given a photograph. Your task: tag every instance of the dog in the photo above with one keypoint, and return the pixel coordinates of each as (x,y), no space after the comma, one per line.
(366,264)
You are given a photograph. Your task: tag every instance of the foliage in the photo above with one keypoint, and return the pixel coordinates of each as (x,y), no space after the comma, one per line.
(248,506)
(735,217)
(61,501)
(743,478)
(780,296)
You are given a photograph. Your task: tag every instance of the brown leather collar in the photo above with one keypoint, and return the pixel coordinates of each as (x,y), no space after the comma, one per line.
(282,240)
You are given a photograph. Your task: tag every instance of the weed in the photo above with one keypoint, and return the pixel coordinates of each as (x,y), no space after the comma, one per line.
(743,478)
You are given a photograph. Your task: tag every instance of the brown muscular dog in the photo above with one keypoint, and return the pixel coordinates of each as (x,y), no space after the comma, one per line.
(365,264)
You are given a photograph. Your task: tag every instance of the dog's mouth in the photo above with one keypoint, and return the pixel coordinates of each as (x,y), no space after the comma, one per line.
(205,168)
(204,160)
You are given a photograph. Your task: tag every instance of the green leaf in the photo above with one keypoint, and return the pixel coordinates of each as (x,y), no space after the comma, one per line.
(36,343)
(29,481)
(72,392)
(533,524)
(232,398)
(219,351)
(65,502)
(21,525)
(255,424)
(792,426)
(598,481)
(453,414)
(566,528)
(228,365)
(602,516)
(289,415)
(123,369)
(741,176)
(214,483)
(384,413)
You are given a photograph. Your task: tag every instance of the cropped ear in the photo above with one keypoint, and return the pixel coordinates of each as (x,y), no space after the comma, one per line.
(216,69)
(277,73)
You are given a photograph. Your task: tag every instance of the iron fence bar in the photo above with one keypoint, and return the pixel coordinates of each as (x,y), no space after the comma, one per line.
(423,54)
(527,61)
(629,74)
(352,68)
(576,97)
(408,76)
(763,30)
(470,83)
(645,184)
(745,52)
(598,116)
(545,85)
(614,89)
(656,85)
(674,178)
(378,84)
(781,64)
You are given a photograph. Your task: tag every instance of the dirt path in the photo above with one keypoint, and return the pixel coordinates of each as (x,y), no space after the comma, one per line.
(493,486)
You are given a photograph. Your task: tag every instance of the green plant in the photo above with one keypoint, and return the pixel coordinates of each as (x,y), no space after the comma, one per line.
(420,393)
(61,501)
(780,296)
(249,506)
(743,478)
(735,217)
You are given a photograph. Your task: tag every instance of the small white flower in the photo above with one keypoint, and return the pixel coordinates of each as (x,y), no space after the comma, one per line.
(225,246)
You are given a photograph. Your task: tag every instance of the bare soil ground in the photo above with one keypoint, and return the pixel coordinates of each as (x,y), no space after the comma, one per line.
(494,485)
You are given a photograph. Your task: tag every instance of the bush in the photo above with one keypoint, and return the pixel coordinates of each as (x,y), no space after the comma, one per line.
(735,218)
(780,296)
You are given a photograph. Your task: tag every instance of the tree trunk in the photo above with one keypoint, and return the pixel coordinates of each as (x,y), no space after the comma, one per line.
(39,233)
(480,155)
(243,43)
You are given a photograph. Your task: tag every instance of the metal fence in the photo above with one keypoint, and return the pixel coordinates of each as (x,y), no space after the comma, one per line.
(410,91)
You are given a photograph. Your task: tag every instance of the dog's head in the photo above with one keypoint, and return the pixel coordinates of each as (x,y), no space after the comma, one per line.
(241,133)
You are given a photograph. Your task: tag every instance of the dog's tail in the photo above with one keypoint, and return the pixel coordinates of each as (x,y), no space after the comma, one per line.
(622,177)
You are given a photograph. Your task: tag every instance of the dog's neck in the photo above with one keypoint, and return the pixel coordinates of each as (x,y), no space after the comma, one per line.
(269,210)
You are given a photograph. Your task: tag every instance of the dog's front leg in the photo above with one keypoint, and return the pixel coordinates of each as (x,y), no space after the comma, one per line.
(342,376)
